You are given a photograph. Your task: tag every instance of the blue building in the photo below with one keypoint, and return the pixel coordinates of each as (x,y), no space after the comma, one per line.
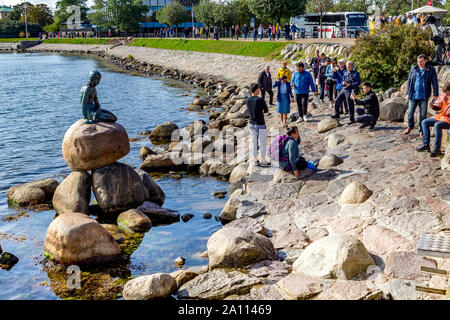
(154,5)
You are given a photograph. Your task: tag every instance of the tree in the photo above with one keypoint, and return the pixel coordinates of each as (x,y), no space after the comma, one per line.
(40,14)
(204,12)
(396,7)
(353,5)
(126,14)
(19,11)
(276,9)
(243,12)
(225,14)
(319,6)
(172,14)
(62,8)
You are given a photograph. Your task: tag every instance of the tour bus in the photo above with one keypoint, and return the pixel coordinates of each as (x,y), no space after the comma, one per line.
(334,24)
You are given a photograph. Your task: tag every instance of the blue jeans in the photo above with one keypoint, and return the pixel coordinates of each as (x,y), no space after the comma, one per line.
(412,108)
(438,126)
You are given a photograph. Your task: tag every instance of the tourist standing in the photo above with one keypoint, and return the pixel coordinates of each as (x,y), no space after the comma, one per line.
(315,62)
(330,81)
(284,71)
(216,33)
(439,122)
(245,31)
(410,19)
(321,75)
(284,98)
(238,32)
(261,32)
(278,30)
(351,82)
(369,115)
(293,30)
(302,82)
(265,84)
(421,78)
(287,30)
(269,32)
(339,77)
(255,34)
(233,32)
(256,107)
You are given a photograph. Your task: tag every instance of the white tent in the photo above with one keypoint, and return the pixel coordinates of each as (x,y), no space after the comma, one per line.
(437,12)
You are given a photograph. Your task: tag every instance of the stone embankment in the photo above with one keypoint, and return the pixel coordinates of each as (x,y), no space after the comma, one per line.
(348,231)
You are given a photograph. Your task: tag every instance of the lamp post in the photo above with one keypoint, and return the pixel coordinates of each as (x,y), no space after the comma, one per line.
(26,27)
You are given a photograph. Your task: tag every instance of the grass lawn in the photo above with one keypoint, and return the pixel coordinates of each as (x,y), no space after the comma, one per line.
(79,41)
(241,48)
(14,40)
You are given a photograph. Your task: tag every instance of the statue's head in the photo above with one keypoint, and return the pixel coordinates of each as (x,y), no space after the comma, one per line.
(95,77)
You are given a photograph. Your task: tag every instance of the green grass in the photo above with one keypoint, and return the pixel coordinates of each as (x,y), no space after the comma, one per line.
(15,40)
(241,48)
(78,41)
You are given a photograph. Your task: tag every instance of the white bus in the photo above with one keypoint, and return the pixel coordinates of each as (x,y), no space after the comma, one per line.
(334,24)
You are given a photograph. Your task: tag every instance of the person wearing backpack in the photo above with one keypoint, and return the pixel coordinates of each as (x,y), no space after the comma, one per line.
(256,107)
(286,149)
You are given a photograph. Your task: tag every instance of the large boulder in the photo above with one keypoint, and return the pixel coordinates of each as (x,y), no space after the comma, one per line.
(393,109)
(327,124)
(334,139)
(164,132)
(355,192)
(158,285)
(75,238)
(32,193)
(73,194)
(237,247)
(337,256)
(238,173)
(117,188)
(156,195)
(90,146)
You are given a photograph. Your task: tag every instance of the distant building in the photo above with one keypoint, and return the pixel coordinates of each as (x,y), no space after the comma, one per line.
(154,5)
(4,11)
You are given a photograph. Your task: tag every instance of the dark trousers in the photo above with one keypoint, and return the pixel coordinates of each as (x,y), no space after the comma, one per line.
(344,105)
(301,163)
(345,95)
(270,92)
(322,87)
(363,117)
(302,104)
(331,90)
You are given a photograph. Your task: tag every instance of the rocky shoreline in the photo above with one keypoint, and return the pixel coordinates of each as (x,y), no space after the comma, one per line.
(348,231)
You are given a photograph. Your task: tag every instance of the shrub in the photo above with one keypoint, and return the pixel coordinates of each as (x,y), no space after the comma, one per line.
(386,57)
(130,57)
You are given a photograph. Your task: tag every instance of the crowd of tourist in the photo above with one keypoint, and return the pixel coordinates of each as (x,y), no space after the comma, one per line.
(341,82)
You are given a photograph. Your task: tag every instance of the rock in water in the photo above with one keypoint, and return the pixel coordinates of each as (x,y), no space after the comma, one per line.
(216,285)
(7,260)
(393,109)
(117,188)
(330,160)
(156,195)
(135,220)
(74,238)
(164,132)
(90,146)
(237,247)
(159,215)
(355,192)
(338,256)
(73,194)
(32,193)
(327,124)
(158,285)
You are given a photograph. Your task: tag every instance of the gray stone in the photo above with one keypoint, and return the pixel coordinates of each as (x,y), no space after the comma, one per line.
(73,194)
(300,286)
(216,285)
(156,194)
(32,193)
(326,125)
(238,173)
(248,223)
(134,220)
(393,109)
(237,247)
(330,160)
(337,256)
(355,192)
(400,289)
(334,140)
(155,286)
(406,265)
(266,292)
(159,215)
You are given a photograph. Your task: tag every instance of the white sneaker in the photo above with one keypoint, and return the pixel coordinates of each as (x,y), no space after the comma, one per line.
(299,120)
(331,106)
(305,118)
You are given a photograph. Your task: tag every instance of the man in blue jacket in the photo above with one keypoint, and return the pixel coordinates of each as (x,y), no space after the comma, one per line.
(302,81)
(350,84)
(418,89)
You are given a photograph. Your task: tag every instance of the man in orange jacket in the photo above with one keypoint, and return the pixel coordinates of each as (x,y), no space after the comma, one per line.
(440,121)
